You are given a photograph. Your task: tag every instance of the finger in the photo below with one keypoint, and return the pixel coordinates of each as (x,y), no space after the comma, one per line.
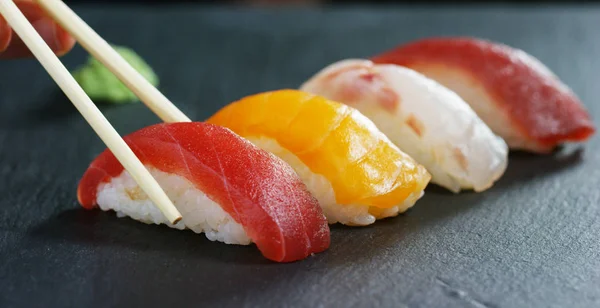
(5,34)
(55,36)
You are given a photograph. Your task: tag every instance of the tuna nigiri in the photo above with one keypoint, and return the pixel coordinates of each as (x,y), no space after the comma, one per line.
(513,92)
(424,119)
(352,168)
(223,186)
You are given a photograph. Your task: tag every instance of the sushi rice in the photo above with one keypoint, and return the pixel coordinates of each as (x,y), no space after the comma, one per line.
(200,214)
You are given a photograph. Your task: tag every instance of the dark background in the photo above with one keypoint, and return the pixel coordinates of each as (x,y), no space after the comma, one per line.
(533,240)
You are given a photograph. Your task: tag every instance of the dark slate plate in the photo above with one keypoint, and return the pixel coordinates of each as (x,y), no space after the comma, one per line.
(532,240)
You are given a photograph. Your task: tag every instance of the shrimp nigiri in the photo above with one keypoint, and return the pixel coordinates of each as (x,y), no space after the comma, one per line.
(518,97)
(424,119)
(351,167)
(223,186)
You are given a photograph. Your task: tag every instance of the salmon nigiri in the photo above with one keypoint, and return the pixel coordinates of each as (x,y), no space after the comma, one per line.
(424,119)
(223,186)
(513,92)
(351,167)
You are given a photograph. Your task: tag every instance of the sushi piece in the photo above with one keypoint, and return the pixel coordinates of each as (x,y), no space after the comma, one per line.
(514,93)
(352,168)
(424,119)
(223,186)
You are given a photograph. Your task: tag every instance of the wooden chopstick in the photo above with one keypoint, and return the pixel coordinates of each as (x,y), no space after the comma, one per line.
(86,107)
(101,50)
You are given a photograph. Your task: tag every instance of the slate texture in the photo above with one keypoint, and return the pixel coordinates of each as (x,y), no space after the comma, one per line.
(531,241)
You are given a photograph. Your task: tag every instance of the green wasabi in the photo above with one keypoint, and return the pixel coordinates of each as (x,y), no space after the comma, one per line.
(102,85)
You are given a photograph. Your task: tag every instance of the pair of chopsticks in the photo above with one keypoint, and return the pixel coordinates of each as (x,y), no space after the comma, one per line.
(101,50)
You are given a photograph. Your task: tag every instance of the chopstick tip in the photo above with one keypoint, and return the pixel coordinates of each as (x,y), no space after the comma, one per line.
(176,220)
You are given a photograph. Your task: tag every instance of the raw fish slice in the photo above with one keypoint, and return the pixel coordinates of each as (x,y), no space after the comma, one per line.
(424,119)
(514,93)
(352,168)
(222,184)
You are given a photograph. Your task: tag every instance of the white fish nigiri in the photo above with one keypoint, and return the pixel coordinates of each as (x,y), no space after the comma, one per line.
(423,118)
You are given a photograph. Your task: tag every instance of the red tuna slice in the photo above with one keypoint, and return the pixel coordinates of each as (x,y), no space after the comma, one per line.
(511,91)
(260,191)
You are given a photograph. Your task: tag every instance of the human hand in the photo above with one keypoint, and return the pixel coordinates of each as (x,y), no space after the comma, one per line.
(11,46)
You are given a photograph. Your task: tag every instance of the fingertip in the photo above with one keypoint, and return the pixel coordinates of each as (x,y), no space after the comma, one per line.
(5,34)
(55,37)
(65,41)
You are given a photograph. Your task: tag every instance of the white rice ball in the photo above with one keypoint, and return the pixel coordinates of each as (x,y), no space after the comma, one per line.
(199,213)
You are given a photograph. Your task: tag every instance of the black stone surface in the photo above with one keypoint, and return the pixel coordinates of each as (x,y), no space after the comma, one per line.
(531,241)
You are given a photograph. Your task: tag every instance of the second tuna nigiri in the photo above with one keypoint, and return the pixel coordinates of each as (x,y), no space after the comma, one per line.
(518,97)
